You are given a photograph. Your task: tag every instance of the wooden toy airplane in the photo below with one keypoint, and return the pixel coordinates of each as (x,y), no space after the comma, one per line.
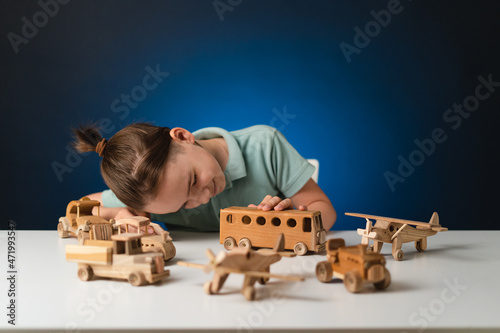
(254,265)
(397,232)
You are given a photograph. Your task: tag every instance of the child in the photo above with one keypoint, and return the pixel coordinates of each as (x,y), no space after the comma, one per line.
(183,179)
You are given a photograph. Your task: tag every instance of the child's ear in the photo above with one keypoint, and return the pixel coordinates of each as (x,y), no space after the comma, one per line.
(181,135)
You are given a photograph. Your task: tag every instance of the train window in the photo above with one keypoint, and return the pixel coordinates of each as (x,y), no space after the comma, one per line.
(246,219)
(261,220)
(291,223)
(276,221)
(306,227)
(229,218)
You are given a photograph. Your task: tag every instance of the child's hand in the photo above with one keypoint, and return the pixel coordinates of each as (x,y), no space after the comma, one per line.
(276,203)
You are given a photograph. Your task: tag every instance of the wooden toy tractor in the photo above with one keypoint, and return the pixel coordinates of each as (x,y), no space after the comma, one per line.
(354,264)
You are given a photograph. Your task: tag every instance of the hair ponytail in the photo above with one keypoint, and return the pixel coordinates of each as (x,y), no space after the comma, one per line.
(87,138)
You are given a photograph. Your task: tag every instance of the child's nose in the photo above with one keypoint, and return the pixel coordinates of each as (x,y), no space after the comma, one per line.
(203,195)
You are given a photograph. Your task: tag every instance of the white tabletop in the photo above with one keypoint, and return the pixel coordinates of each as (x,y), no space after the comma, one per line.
(451,286)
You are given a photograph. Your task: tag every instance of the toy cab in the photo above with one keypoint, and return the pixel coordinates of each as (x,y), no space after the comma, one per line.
(248,227)
(154,239)
(355,265)
(80,222)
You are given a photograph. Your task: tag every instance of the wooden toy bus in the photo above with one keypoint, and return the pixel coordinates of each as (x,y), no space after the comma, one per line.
(248,227)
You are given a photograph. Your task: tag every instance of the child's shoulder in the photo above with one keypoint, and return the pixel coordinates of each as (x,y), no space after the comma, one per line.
(257,131)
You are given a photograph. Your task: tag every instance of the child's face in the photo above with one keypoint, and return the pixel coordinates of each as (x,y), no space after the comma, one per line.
(191,177)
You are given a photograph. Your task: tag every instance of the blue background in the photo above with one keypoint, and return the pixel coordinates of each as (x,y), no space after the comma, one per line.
(259,62)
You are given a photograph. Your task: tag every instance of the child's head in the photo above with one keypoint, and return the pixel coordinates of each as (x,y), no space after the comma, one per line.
(155,169)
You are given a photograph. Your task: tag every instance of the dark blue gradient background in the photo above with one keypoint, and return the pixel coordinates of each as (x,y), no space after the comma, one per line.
(265,59)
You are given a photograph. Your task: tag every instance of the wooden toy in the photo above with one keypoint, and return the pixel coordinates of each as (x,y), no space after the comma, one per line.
(247,227)
(123,260)
(354,264)
(397,232)
(255,266)
(154,239)
(80,222)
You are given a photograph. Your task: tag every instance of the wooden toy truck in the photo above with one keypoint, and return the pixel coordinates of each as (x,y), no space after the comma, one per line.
(123,260)
(354,264)
(248,227)
(80,222)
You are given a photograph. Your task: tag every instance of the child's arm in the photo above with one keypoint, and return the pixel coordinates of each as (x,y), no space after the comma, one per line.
(310,196)
(110,212)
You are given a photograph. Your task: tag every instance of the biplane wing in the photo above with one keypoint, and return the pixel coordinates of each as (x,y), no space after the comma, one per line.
(227,270)
(433,224)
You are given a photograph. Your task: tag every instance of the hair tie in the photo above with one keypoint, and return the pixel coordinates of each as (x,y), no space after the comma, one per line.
(100,147)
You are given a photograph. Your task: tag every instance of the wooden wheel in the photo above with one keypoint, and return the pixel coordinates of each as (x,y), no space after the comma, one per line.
(229,243)
(398,255)
(60,230)
(353,281)
(324,271)
(385,282)
(421,244)
(85,273)
(300,248)
(136,278)
(245,243)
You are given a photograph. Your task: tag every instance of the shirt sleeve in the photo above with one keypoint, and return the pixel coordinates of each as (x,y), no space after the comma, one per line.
(109,199)
(292,171)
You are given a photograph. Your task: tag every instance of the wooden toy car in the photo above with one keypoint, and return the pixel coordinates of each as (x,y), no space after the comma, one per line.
(154,239)
(80,222)
(397,232)
(123,260)
(248,227)
(354,264)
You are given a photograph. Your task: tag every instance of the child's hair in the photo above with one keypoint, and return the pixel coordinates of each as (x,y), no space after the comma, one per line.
(132,160)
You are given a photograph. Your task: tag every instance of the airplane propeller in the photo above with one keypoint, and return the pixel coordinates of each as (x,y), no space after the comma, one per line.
(212,262)
(368,226)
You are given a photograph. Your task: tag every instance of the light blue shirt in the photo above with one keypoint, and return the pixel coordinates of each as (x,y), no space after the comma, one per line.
(261,162)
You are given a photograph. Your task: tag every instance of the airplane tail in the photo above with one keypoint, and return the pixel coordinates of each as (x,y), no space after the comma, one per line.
(434,221)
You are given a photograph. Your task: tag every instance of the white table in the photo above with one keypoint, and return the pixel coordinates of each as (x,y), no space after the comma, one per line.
(452,286)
